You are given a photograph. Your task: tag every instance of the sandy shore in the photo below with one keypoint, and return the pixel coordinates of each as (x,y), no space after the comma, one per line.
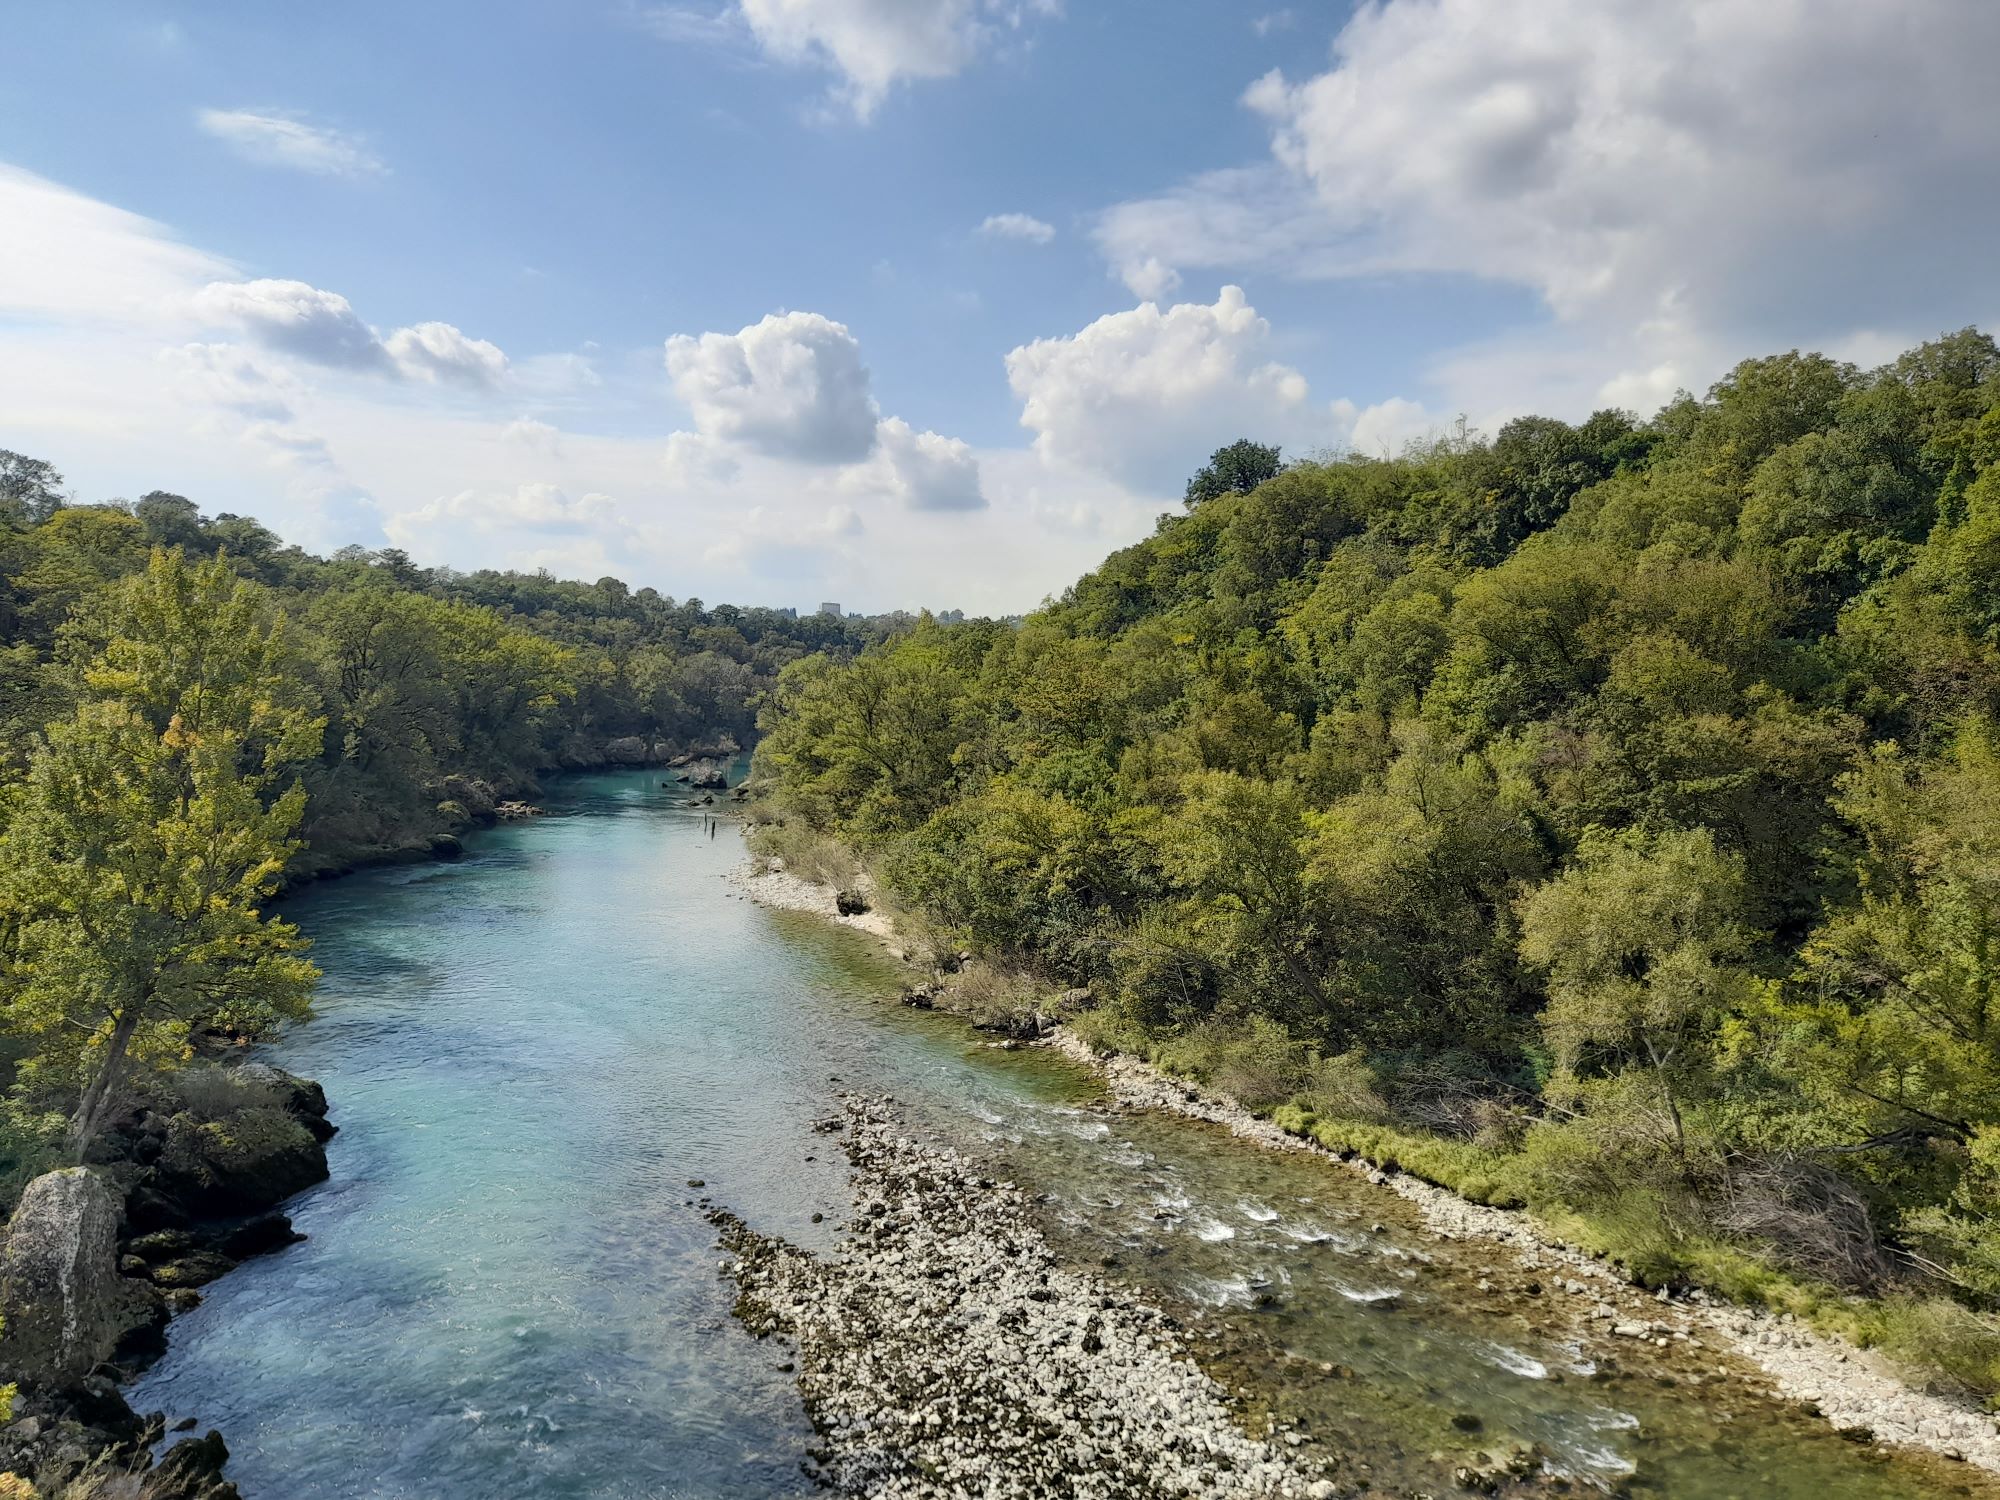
(1849,1387)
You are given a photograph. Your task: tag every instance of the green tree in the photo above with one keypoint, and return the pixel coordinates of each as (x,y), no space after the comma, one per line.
(1640,941)
(1234,470)
(152,825)
(30,489)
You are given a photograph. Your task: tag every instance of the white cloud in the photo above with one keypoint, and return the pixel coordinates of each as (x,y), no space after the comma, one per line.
(439,352)
(790,386)
(322,327)
(919,470)
(67,257)
(1678,175)
(537,507)
(875,44)
(787,547)
(284,140)
(1139,394)
(296,318)
(1018,227)
(533,434)
(1384,429)
(230,378)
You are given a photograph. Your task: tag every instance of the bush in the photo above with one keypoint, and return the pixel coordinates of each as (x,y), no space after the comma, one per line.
(997,999)
(1934,1334)
(807,854)
(1344,1088)
(1253,1061)
(209,1091)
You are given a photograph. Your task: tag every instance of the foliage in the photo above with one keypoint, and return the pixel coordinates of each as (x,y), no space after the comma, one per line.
(1234,470)
(1606,814)
(192,714)
(150,828)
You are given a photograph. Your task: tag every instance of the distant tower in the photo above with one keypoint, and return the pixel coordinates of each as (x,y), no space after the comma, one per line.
(830,608)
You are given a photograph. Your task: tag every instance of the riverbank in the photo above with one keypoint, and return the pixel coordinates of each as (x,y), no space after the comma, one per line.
(947,1346)
(1853,1390)
(181,1189)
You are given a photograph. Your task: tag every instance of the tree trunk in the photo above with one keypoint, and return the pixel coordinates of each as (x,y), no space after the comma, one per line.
(90,1108)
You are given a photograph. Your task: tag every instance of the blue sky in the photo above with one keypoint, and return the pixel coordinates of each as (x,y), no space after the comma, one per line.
(699,293)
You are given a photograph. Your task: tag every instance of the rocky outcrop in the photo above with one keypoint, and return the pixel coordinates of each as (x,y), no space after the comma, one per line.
(65,1304)
(243,1164)
(195,1180)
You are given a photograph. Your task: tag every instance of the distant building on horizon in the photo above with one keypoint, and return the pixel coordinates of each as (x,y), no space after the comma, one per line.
(830,608)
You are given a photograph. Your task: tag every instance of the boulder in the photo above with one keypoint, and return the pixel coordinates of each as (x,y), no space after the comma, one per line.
(301,1098)
(197,1269)
(243,1164)
(65,1304)
(191,1470)
(628,750)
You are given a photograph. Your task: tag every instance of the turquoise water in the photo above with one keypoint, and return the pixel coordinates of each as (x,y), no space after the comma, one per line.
(507,1292)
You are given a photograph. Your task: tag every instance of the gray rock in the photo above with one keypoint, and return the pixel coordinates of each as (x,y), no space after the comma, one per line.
(64,1301)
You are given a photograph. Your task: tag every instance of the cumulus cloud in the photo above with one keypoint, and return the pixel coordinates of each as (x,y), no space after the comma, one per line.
(1018,227)
(875,44)
(1135,393)
(1384,429)
(920,470)
(284,140)
(439,352)
(791,386)
(297,318)
(1666,168)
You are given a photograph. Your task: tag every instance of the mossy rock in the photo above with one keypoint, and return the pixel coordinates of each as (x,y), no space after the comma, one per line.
(245,1163)
(198,1269)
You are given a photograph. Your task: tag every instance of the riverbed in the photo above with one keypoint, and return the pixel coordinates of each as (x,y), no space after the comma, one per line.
(544,1055)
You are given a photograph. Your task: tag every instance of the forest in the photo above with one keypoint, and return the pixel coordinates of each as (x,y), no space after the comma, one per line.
(1599,817)
(195,716)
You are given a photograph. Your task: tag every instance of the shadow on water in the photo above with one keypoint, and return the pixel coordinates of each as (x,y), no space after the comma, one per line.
(506,1289)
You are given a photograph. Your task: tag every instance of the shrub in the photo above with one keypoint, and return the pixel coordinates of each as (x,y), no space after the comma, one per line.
(998,999)
(1253,1061)
(1344,1087)
(807,854)
(1935,1334)
(209,1091)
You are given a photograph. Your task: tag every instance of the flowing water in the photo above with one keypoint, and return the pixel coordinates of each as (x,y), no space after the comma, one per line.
(508,1290)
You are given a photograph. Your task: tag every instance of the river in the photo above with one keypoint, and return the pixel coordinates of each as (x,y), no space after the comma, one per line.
(507,1289)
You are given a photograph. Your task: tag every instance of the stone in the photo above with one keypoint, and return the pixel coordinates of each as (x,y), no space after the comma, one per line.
(197,1269)
(191,1470)
(63,1299)
(247,1163)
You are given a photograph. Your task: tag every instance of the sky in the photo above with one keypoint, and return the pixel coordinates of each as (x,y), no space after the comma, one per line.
(928,303)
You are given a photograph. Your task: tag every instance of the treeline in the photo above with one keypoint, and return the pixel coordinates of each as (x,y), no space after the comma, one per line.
(1602,816)
(193,714)
(436,687)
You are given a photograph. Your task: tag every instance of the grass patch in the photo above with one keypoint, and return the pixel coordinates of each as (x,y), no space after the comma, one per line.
(807,854)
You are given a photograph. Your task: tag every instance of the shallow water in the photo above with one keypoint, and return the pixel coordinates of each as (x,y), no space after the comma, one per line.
(507,1290)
